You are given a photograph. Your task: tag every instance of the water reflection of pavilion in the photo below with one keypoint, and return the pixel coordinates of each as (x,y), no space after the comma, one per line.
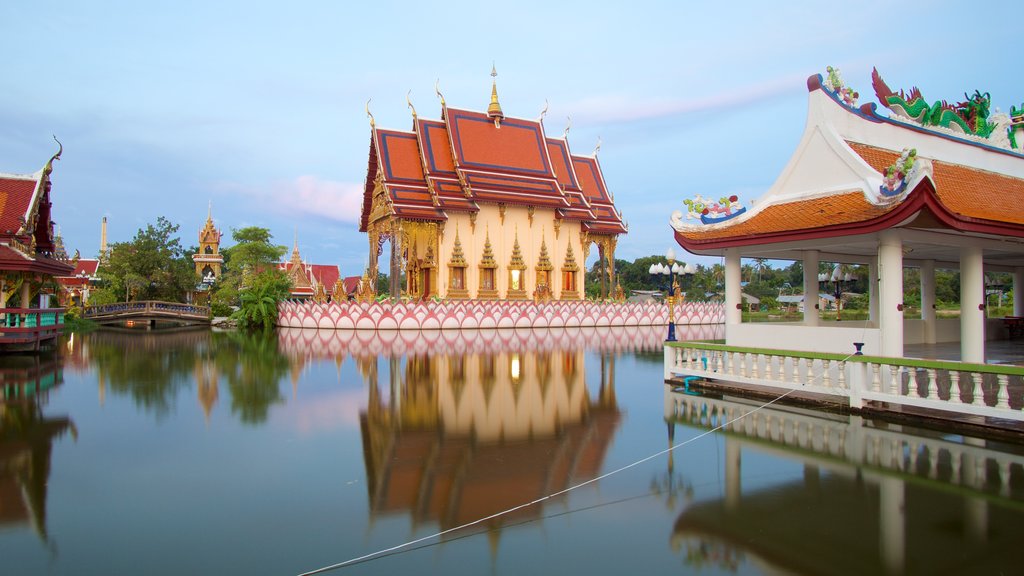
(456,436)
(917,502)
(26,439)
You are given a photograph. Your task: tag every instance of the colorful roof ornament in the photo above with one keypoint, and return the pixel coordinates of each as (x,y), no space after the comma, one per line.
(713,212)
(458,259)
(494,109)
(900,173)
(834,82)
(968,117)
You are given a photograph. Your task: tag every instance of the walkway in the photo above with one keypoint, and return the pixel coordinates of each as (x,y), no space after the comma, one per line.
(996,351)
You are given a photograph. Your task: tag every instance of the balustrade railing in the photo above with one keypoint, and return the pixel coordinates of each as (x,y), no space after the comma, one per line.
(977,389)
(27,325)
(147,307)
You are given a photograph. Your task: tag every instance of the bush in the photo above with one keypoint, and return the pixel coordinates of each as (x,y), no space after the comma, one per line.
(218,309)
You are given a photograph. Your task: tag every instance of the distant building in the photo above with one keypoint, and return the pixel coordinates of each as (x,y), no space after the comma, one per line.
(319,282)
(77,286)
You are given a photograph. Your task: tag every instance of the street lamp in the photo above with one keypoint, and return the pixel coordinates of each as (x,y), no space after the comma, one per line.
(671,272)
(840,282)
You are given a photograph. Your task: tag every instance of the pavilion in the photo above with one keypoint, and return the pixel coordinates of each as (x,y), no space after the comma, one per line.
(480,205)
(925,186)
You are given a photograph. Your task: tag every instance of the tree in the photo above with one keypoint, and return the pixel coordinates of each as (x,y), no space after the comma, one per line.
(253,251)
(259,299)
(152,266)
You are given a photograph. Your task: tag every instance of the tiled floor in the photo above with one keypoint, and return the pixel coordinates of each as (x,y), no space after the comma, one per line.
(996,351)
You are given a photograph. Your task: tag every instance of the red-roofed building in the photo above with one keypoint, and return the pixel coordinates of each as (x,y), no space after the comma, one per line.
(923,187)
(318,282)
(29,260)
(76,287)
(477,205)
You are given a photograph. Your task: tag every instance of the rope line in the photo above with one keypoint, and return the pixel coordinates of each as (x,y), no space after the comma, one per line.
(392,549)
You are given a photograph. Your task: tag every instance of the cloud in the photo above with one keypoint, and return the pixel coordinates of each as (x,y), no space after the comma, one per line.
(622,109)
(307,196)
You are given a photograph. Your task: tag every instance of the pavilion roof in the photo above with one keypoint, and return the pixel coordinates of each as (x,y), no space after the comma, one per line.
(834,185)
(468,157)
(27,241)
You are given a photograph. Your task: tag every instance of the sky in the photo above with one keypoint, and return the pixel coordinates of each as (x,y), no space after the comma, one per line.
(258,109)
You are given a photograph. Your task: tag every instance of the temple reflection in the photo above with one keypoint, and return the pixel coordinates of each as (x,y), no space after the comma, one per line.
(919,502)
(475,428)
(27,438)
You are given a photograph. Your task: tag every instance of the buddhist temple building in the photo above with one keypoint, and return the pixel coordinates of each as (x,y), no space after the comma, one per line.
(209,261)
(923,186)
(317,282)
(480,205)
(76,287)
(29,259)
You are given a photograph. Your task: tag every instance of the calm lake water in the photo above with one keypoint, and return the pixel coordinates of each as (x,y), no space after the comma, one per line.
(216,453)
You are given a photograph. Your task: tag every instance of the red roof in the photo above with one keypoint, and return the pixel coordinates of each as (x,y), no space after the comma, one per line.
(455,163)
(351,284)
(15,198)
(325,274)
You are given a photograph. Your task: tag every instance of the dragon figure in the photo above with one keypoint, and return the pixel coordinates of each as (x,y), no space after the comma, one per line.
(969,116)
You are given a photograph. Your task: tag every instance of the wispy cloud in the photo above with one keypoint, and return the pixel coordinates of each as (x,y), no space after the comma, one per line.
(307,196)
(623,109)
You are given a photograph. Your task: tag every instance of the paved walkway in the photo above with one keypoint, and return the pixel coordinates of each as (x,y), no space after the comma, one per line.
(996,351)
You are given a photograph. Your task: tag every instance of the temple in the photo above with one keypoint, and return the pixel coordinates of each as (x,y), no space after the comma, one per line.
(480,205)
(318,282)
(924,187)
(29,259)
(209,260)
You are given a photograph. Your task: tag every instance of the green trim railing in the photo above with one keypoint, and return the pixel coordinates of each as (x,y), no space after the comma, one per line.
(990,390)
(30,325)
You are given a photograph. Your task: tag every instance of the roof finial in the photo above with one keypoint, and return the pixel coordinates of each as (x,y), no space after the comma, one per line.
(408,101)
(60,149)
(437,90)
(494,110)
(598,147)
(370,114)
(543,112)
(209,211)
(568,125)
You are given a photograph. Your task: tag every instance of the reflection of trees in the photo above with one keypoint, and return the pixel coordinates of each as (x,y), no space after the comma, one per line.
(253,368)
(154,367)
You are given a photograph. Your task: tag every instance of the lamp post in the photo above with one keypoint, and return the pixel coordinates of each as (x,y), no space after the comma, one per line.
(840,282)
(671,271)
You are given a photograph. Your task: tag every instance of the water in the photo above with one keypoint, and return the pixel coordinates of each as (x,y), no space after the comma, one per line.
(198,453)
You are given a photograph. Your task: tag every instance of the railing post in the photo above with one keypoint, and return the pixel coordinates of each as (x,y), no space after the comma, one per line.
(1003,397)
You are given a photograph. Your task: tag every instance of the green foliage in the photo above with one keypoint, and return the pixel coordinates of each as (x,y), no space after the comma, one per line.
(259,300)
(101,296)
(219,309)
(253,251)
(152,266)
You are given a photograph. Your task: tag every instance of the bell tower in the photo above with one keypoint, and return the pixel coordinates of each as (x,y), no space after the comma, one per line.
(209,259)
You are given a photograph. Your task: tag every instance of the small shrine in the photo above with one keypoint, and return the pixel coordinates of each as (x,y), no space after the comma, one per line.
(316,282)
(480,205)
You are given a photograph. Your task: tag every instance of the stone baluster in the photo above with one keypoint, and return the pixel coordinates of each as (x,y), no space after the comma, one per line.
(768,372)
(841,369)
(826,377)
(744,358)
(796,370)
(895,385)
(876,377)
(979,393)
(1003,397)
(933,384)
(954,387)
(756,373)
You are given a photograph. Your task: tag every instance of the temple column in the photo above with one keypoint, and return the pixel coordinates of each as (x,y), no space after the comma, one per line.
(1018,291)
(611,269)
(873,292)
(928,301)
(395,279)
(26,292)
(733,295)
(890,301)
(811,288)
(972,305)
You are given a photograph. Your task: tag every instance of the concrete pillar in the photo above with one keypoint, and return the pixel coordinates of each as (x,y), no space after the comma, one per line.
(1018,291)
(972,305)
(26,293)
(810,287)
(873,292)
(928,300)
(732,474)
(892,531)
(733,296)
(890,301)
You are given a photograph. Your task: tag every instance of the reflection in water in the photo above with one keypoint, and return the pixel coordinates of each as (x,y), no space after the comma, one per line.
(152,368)
(455,436)
(883,498)
(26,438)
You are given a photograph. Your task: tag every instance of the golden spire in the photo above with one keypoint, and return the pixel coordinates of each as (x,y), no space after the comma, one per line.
(487,261)
(517,255)
(543,261)
(458,258)
(494,110)
(570,260)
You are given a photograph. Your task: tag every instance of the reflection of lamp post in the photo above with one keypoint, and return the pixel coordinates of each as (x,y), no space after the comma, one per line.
(840,282)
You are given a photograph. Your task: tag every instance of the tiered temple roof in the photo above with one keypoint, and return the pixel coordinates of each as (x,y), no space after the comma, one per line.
(467,158)
(307,277)
(27,240)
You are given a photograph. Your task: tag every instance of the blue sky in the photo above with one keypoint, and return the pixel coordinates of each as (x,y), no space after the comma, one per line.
(259,107)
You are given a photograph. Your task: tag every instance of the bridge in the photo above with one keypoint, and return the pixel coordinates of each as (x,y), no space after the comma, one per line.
(148,312)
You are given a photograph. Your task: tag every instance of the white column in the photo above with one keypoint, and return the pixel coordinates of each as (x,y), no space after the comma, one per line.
(972,305)
(1018,291)
(873,292)
(733,297)
(810,287)
(928,300)
(890,301)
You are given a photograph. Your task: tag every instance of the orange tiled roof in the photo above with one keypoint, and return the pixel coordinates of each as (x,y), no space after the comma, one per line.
(842,208)
(966,191)
(15,195)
